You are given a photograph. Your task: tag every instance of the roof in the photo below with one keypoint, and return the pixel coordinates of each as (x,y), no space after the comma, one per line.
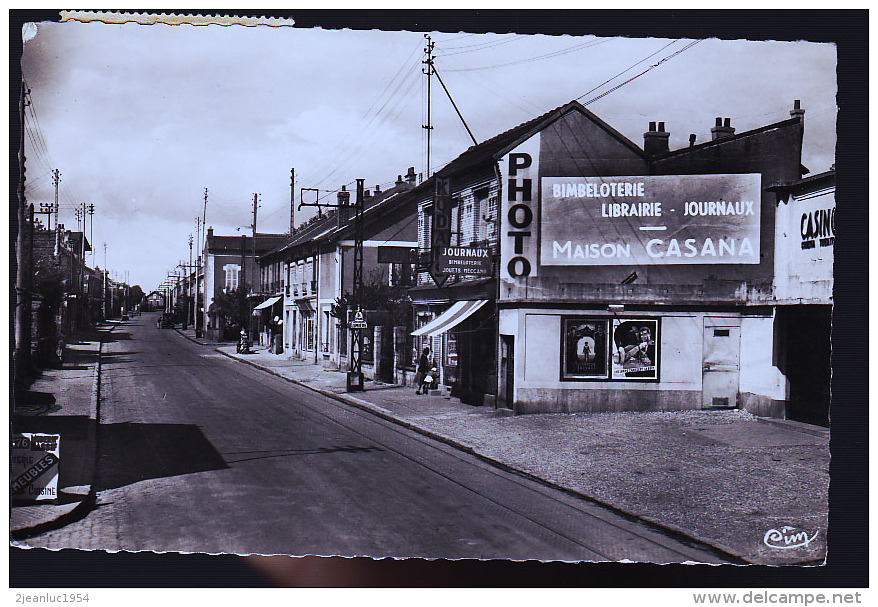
(326,229)
(810,183)
(495,147)
(727,138)
(233,244)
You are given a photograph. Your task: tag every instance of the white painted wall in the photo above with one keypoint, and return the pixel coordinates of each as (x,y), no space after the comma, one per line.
(758,374)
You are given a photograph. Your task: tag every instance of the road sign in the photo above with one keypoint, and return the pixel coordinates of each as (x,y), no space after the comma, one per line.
(359,322)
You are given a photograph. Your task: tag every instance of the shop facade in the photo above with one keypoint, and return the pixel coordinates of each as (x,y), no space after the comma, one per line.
(642,278)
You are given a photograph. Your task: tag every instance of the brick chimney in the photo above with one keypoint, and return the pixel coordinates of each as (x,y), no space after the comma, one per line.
(399,180)
(410,176)
(655,140)
(797,111)
(343,213)
(377,189)
(722,129)
(692,138)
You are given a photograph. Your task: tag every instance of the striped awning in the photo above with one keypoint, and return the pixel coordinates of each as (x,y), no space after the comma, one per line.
(267,303)
(450,318)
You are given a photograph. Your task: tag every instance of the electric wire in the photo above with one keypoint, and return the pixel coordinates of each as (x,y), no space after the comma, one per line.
(559,53)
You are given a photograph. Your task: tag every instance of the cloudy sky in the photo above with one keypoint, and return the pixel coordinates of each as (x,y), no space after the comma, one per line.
(140,119)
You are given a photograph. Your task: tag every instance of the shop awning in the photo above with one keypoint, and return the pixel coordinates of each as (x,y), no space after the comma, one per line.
(450,318)
(304,305)
(267,303)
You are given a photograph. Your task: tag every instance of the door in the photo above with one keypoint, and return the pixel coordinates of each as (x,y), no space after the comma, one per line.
(720,368)
(507,371)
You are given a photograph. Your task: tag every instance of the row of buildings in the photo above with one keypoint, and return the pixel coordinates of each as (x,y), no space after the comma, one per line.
(561,267)
(65,294)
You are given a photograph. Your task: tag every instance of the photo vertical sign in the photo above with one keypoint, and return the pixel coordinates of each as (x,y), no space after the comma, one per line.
(440,237)
(520,213)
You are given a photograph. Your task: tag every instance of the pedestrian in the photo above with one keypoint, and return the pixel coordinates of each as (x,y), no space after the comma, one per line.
(422,371)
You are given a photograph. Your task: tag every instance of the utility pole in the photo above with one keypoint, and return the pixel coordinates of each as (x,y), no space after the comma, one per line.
(292,201)
(56,179)
(197,310)
(23,255)
(355,370)
(106,313)
(91,235)
(428,70)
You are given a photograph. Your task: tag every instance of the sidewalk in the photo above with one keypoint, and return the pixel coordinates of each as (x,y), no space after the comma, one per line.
(724,478)
(63,401)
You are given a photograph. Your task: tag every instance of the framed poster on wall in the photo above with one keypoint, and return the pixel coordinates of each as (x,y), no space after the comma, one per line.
(584,348)
(635,343)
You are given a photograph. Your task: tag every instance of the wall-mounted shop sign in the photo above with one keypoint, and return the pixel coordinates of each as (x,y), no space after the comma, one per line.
(465,261)
(440,234)
(519,210)
(650,220)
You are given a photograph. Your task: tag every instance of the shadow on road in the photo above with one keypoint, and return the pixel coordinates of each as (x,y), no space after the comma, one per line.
(133,452)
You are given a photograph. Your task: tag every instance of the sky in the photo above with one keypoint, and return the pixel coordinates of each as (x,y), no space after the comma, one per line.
(140,119)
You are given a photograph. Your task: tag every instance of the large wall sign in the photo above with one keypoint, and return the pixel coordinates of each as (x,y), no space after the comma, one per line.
(650,220)
(519,219)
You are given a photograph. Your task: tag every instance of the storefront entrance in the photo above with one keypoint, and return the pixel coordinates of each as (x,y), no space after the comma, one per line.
(806,362)
(720,368)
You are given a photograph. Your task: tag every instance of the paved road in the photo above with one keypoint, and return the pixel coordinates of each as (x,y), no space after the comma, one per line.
(200,453)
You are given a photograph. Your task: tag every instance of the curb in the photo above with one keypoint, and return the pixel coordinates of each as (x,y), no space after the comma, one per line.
(672,531)
(87,504)
(795,426)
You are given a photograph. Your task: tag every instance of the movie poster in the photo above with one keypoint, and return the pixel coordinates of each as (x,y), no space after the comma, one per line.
(585,348)
(635,349)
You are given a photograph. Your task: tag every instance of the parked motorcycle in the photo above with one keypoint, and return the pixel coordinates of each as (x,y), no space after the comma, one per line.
(244,344)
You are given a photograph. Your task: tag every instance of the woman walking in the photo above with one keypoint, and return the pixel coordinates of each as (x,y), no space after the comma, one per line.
(422,371)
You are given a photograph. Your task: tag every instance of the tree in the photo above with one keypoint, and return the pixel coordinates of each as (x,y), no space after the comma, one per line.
(232,306)
(135,296)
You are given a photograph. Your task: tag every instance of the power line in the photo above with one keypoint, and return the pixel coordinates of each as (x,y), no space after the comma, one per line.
(650,68)
(628,69)
(588,44)
(473,48)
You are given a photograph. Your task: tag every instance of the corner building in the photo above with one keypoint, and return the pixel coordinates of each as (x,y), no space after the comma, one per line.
(641,278)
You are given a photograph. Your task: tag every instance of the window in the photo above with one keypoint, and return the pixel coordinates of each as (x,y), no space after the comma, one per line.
(232,272)
(308,330)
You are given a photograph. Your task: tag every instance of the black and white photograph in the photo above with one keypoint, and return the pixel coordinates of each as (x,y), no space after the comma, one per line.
(422,293)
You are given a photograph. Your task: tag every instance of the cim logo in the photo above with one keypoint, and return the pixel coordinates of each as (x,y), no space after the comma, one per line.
(787,538)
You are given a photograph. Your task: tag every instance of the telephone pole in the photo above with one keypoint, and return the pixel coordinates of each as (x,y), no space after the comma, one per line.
(292,201)
(355,370)
(23,255)
(428,70)
(56,179)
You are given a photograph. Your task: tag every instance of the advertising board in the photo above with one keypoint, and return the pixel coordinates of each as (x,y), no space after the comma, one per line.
(465,261)
(650,220)
(34,466)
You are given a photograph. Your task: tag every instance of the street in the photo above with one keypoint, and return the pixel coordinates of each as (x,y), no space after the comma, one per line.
(199,453)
